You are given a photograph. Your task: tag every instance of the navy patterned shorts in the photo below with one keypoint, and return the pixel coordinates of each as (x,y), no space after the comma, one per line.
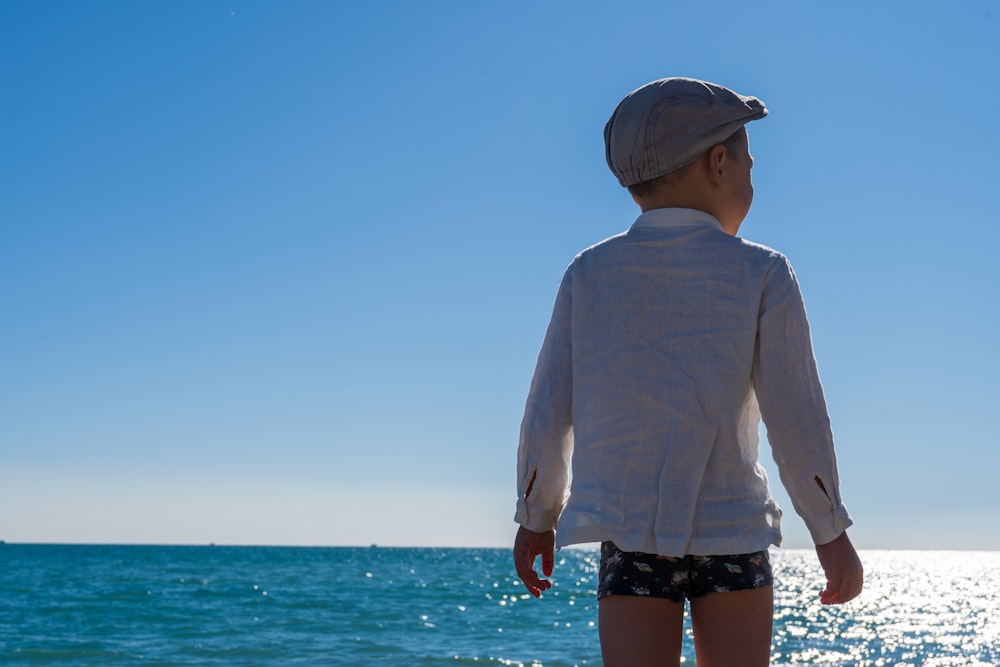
(677,579)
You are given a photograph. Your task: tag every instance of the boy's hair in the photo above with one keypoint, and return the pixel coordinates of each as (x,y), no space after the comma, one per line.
(648,188)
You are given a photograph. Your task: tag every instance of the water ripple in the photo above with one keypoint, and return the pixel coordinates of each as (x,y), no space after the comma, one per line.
(91,605)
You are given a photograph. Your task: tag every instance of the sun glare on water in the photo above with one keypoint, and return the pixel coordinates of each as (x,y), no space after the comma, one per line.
(926,608)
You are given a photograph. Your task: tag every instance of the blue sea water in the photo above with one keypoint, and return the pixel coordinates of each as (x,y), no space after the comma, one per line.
(177,605)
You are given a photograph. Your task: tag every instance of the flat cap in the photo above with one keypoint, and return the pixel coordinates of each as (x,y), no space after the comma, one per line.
(666,124)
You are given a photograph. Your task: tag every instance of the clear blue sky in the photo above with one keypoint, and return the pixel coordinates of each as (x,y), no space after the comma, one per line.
(277,272)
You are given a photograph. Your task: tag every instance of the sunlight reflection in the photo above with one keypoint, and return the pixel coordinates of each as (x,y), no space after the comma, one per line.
(918,608)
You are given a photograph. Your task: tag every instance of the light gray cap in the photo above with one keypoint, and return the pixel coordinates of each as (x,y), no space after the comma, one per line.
(666,124)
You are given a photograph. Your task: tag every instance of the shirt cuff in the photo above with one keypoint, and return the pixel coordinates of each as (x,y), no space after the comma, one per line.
(828,528)
(535,518)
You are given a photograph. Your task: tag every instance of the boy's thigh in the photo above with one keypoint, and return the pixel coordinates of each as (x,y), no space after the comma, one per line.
(733,629)
(640,631)
(641,608)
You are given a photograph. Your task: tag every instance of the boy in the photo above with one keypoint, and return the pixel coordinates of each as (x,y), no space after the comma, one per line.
(667,344)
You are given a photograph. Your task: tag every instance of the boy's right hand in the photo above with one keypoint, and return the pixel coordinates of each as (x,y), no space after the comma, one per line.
(844,574)
(527,546)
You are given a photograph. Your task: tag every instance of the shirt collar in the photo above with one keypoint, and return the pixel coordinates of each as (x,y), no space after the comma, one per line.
(667,218)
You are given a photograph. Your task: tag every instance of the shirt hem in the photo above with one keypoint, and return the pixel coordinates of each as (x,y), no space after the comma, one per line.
(675,549)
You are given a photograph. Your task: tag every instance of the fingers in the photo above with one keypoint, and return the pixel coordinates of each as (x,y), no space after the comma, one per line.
(528,546)
(548,562)
(530,578)
(524,562)
(829,594)
(536,585)
(842,589)
(844,572)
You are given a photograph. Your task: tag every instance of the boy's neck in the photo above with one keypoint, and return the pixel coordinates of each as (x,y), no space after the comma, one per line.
(717,182)
(655,203)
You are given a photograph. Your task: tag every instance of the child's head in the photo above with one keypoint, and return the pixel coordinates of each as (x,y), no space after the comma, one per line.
(662,132)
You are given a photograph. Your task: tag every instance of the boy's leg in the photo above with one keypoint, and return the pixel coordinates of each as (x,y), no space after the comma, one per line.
(733,629)
(640,631)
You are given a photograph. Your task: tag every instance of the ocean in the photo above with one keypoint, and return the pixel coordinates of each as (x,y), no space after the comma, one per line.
(218,605)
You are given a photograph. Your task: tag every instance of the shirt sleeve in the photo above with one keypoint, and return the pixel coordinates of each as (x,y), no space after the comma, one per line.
(793,407)
(546,442)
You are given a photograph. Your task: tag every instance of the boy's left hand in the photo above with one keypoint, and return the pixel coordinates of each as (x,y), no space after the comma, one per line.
(527,546)
(844,574)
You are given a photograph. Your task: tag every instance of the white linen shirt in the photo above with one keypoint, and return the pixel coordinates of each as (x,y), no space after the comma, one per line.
(663,342)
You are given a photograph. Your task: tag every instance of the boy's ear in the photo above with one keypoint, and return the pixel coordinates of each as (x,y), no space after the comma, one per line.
(717,164)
